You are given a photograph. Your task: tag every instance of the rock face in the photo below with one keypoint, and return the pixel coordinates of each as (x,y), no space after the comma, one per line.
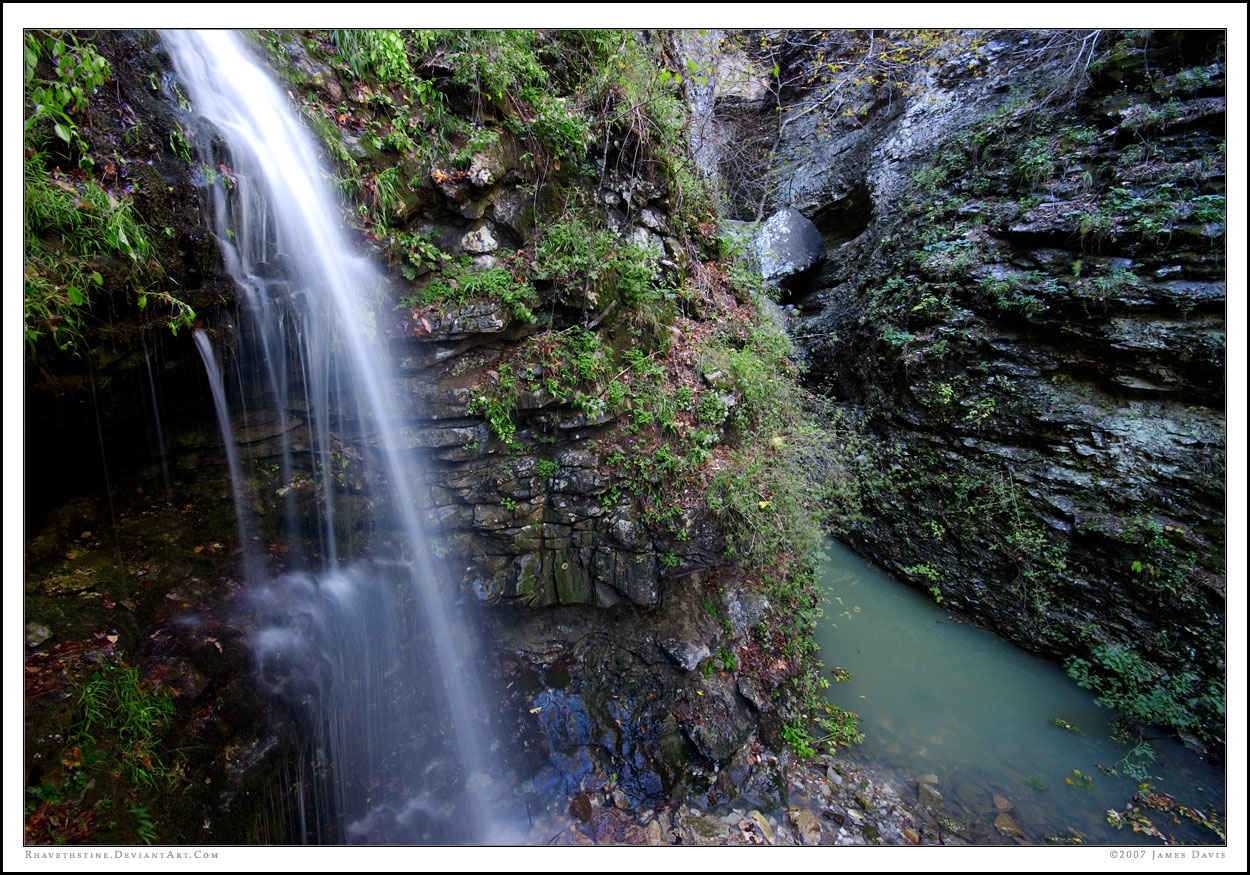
(526,523)
(613,693)
(1023,317)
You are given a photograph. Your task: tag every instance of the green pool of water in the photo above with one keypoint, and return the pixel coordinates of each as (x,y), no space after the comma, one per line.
(953,706)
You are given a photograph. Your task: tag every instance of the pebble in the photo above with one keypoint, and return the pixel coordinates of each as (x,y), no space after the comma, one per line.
(761,823)
(807,826)
(655,833)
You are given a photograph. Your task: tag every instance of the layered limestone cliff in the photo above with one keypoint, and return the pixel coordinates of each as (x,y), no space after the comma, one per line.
(1022,311)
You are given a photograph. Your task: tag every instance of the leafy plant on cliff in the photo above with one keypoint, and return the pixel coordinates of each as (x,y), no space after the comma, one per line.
(80,239)
(52,102)
(379,54)
(768,498)
(73,229)
(596,268)
(1145,693)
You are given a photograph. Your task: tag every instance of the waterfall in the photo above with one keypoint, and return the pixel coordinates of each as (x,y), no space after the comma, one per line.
(361,642)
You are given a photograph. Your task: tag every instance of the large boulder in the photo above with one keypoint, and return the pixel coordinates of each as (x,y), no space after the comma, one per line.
(787,245)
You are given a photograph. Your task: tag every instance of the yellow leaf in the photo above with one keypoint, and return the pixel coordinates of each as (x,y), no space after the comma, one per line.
(199,549)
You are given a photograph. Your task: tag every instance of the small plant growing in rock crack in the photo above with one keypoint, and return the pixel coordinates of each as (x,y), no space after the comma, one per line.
(797,736)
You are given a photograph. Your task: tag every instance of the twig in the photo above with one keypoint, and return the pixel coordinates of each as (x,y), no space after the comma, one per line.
(602,316)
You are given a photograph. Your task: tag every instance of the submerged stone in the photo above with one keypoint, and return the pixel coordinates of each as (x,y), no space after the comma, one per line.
(1005,825)
(580,807)
(806,825)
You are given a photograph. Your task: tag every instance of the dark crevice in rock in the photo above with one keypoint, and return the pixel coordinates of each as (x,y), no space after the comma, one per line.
(844,219)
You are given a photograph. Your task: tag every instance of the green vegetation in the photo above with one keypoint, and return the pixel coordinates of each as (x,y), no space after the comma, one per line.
(416,254)
(75,233)
(80,239)
(569,364)
(769,504)
(118,703)
(1143,692)
(600,267)
(111,766)
(796,735)
(377,54)
(458,285)
(54,100)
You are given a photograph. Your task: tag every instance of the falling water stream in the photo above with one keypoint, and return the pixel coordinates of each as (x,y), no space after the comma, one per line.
(362,642)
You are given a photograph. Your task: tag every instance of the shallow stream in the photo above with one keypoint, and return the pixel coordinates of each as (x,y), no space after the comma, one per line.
(951,706)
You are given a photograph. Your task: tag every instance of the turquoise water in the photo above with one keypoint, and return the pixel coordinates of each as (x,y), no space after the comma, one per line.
(973,716)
